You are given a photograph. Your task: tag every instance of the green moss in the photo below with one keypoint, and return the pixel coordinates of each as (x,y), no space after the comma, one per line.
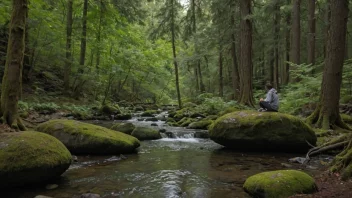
(81,137)
(143,133)
(123,127)
(260,130)
(346,118)
(123,117)
(26,150)
(203,124)
(228,110)
(109,110)
(277,184)
(138,108)
(184,122)
(170,120)
(149,113)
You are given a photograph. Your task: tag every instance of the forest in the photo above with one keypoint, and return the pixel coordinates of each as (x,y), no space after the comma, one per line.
(124,78)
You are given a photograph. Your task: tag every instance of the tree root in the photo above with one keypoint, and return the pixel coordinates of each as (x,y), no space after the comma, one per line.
(17,124)
(334,144)
(317,150)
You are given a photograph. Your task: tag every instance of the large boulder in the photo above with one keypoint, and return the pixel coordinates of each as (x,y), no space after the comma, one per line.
(258,131)
(124,127)
(31,157)
(144,133)
(83,138)
(277,184)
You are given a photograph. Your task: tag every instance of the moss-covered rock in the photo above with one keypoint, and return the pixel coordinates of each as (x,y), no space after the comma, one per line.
(189,105)
(138,108)
(184,122)
(83,138)
(31,157)
(212,117)
(144,133)
(124,128)
(109,110)
(203,124)
(279,184)
(170,120)
(149,113)
(151,119)
(251,130)
(346,118)
(123,117)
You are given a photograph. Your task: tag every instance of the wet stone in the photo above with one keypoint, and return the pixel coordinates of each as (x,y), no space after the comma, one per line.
(90,195)
(51,186)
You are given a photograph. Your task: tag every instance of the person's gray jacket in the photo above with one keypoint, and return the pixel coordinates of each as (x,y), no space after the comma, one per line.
(273,99)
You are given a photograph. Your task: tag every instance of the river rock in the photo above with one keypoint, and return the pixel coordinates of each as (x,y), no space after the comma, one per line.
(42,196)
(123,117)
(90,195)
(144,133)
(201,134)
(151,119)
(258,131)
(203,124)
(162,130)
(83,138)
(31,157)
(123,127)
(281,183)
(51,186)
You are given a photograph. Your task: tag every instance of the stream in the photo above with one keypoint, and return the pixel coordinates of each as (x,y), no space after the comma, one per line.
(182,166)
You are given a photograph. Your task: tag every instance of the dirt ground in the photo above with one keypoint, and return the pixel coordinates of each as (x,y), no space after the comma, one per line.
(330,185)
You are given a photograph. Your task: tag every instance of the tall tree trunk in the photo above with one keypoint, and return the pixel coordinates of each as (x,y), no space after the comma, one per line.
(11,82)
(287,44)
(327,114)
(327,24)
(235,75)
(311,33)
(195,70)
(296,32)
(82,56)
(174,53)
(246,54)
(276,51)
(99,36)
(221,77)
(199,77)
(68,59)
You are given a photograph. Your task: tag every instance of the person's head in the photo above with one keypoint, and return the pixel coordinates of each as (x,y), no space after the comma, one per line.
(268,86)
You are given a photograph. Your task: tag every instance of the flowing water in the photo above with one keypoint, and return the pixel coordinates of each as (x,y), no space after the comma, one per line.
(183,166)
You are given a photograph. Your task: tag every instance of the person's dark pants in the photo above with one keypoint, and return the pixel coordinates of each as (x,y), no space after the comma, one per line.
(267,106)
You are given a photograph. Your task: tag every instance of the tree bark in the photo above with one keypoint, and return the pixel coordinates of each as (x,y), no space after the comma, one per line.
(174,53)
(221,77)
(327,114)
(99,36)
(11,82)
(235,75)
(311,33)
(287,44)
(246,65)
(68,60)
(327,24)
(296,32)
(82,56)
(276,51)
